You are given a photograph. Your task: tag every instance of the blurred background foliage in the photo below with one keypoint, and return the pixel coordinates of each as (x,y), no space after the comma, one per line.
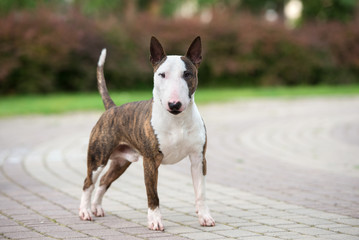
(53,45)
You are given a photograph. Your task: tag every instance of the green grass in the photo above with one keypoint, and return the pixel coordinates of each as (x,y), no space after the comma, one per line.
(70,102)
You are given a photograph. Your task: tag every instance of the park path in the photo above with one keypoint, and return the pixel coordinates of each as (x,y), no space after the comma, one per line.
(277,169)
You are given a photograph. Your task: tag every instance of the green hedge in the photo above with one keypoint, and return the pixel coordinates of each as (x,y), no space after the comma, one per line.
(46,51)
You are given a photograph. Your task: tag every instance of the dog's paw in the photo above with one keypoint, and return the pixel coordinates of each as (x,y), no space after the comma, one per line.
(154,218)
(206,220)
(85,214)
(156,225)
(97,210)
(204,216)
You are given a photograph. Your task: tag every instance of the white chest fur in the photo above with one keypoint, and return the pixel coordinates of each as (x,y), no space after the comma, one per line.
(178,135)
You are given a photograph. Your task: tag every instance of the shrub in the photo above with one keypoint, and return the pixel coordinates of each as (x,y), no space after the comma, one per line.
(44,51)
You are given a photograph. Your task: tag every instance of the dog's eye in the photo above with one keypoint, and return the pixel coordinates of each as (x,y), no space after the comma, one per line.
(162,75)
(187,74)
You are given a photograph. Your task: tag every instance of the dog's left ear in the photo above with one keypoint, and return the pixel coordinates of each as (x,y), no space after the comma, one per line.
(194,52)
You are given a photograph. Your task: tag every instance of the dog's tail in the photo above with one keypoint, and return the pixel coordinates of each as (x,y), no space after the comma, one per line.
(101,83)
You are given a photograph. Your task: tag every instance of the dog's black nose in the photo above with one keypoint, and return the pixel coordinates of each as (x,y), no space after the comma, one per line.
(175,106)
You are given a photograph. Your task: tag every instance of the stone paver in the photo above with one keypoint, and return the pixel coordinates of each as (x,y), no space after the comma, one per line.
(277,169)
(302,151)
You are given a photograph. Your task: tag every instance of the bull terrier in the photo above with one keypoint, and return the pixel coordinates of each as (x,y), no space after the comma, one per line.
(162,130)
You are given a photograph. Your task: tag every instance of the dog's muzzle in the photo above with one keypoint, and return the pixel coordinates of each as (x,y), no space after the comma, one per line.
(174,107)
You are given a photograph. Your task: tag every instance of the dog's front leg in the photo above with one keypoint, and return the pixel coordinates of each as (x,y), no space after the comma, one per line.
(154,216)
(198,178)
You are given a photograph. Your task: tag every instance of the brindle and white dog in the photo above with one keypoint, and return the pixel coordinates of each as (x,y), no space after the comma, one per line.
(162,130)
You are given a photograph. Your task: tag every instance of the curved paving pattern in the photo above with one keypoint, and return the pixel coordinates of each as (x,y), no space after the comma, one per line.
(277,169)
(305,152)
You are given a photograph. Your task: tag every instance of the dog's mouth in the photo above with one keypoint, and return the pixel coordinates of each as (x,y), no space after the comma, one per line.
(174,112)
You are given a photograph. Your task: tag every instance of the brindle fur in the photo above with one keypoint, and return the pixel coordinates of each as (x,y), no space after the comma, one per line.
(192,81)
(127,126)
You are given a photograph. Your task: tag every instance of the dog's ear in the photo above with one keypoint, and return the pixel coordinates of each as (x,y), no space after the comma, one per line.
(194,52)
(156,50)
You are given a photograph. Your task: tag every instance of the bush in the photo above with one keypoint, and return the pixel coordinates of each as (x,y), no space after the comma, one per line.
(45,51)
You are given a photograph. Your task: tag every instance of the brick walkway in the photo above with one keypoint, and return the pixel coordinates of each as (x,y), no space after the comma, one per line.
(277,169)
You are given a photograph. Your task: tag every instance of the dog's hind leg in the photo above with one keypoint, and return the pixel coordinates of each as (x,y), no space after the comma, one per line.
(89,185)
(117,168)
(99,152)
(121,158)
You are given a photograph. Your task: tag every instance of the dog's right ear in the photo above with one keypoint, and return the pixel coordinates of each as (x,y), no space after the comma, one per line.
(156,50)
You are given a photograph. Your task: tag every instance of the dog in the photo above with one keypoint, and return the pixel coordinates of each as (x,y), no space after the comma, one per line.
(162,130)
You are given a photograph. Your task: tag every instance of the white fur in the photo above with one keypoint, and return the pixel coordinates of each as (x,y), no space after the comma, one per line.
(182,134)
(172,88)
(154,218)
(178,135)
(130,154)
(85,205)
(96,174)
(102,58)
(85,211)
(97,203)
(198,179)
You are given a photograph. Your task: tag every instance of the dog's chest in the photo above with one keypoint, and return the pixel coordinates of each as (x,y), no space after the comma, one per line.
(178,139)
(176,144)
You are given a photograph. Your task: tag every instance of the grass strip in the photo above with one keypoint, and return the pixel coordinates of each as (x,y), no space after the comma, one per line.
(70,102)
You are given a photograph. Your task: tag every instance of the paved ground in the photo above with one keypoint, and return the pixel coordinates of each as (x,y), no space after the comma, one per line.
(277,169)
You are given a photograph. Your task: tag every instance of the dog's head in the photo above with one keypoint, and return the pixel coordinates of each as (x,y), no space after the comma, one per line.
(175,77)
